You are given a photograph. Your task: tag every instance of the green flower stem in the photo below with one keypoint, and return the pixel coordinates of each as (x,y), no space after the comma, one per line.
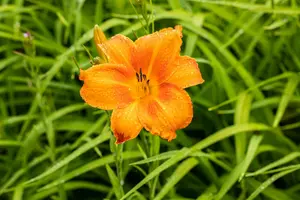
(119,166)
(154,150)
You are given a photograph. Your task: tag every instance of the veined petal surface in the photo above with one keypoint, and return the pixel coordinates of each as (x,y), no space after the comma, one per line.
(107,86)
(166,110)
(156,51)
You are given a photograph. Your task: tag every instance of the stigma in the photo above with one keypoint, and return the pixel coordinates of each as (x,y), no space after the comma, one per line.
(143,88)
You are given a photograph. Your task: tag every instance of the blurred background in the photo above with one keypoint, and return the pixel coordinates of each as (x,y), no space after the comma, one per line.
(53,146)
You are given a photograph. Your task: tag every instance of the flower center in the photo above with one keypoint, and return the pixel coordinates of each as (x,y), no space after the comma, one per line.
(142,85)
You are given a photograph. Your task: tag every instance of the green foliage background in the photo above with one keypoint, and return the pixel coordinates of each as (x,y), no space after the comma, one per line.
(243,142)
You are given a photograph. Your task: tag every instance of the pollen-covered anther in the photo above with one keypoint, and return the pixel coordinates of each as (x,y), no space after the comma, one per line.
(142,84)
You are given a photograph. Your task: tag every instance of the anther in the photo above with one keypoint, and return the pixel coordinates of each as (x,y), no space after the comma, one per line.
(148,81)
(141,74)
(144,77)
(137,76)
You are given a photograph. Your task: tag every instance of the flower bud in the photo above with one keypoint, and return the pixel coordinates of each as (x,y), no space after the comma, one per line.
(99,38)
(28,44)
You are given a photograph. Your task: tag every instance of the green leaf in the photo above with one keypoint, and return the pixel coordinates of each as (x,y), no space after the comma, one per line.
(115,182)
(270,180)
(255,7)
(288,158)
(287,95)
(183,153)
(18,193)
(161,156)
(90,166)
(242,113)
(89,145)
(177,175)
(9,143)
(72,185)
(241,168)
(270,192)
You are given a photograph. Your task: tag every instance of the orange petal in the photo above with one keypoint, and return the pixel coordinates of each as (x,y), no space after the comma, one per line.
(119,50)
(106,86)
(125,123)
(156,51)
(167,109)
(185,73)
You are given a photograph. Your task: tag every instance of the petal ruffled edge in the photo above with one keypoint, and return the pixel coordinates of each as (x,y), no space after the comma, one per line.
(185,72)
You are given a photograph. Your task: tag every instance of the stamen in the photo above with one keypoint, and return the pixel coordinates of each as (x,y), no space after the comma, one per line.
(141,74)
(143,84)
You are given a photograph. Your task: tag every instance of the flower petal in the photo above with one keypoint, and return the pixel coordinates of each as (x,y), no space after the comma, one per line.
(167,109)
(107,86)
(156,51)
(185,73)
(125,123)
(119,50)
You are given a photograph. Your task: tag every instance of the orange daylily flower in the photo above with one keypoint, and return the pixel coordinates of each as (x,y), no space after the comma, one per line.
(143,83)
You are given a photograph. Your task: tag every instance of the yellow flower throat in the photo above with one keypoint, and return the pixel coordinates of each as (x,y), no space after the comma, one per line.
(142,85)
